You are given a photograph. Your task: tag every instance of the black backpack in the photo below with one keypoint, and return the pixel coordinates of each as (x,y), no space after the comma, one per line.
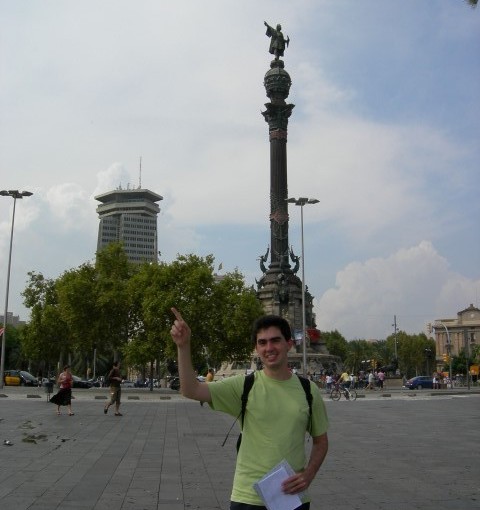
(247,386)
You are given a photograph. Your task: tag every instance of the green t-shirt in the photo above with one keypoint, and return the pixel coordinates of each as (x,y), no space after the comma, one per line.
(275,424)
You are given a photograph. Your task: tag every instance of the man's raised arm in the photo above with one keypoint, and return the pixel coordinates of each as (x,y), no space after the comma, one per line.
(190,386)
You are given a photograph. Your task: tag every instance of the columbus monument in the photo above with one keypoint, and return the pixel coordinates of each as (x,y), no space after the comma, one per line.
(280,289)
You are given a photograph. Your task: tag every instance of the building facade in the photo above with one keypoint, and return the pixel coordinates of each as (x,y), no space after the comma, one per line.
(454,335)
(129,216)
(14,320)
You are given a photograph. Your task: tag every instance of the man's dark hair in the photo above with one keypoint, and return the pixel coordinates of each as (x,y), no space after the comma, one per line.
(268,321)
(115,363)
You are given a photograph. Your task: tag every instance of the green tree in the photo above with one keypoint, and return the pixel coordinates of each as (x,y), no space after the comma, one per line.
(113,272)
(414,355)
(46,335)
(359,351)
(14,357)
(77,295)
(220,313)
(384,352)
(336,343)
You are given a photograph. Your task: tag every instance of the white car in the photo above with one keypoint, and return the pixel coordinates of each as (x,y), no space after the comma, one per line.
(127,384)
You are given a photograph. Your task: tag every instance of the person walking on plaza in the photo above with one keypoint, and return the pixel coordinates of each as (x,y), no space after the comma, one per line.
(277,414)
(64,395)
(209,377)
(329,381)
(371,381)
(114,379)
(381,379)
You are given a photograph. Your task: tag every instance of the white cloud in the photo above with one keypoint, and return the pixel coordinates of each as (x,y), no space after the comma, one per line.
(415,284)
(115,176)
(66,204)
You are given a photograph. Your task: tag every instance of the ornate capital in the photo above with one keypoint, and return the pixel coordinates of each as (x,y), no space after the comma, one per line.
(277,116)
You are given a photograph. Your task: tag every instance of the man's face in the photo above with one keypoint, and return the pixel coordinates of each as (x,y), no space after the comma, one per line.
(272,347)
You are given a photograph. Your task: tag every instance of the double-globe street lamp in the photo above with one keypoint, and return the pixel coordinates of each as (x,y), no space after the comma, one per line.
(14,194)
(301,202)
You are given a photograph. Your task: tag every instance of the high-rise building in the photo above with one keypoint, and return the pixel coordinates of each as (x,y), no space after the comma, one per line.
(129,216)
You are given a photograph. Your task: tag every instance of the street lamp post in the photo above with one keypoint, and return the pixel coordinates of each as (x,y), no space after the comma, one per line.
(395,330)
(428,353)
(467,357)
(449,351)
(14,194)
(301,202)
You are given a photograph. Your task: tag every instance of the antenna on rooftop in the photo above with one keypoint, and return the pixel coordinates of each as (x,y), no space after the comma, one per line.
(140,175)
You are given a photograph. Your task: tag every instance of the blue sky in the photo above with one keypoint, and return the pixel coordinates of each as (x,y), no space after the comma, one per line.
(384,133)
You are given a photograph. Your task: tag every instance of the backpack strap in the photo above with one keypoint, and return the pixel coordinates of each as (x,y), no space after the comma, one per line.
(308,395)
(247,386)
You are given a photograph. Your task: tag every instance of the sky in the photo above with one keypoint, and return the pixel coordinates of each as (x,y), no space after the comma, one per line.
(384,134)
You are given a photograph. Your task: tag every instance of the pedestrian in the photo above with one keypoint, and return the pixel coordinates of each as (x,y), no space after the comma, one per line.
(114,380)
(210,375)
(276,416)
(353,381)
(371,381)
(381,379)
(64,395)
(329,381)
(208,378)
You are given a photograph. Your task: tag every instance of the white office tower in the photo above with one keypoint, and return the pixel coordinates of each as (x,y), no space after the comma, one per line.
(129,216)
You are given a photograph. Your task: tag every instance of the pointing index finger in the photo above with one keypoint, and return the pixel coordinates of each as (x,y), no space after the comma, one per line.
(177,314)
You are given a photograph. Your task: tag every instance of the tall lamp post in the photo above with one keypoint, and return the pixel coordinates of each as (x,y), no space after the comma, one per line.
(14,194)
(449,351)
(301,202)
(395,330)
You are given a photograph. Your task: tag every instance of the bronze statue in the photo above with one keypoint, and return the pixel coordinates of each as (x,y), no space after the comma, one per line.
(263,259)
(278,42)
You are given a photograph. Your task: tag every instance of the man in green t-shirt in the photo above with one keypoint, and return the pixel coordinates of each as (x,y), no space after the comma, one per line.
(277,414)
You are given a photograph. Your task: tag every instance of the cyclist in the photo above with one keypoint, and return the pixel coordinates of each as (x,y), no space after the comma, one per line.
(345,379)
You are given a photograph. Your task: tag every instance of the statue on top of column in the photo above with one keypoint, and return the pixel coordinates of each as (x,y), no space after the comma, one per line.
(278,42)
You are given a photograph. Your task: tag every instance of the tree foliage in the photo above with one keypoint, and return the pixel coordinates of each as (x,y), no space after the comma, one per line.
(336,343)
(46,335)
(220,312)
(412,355)
(114,307)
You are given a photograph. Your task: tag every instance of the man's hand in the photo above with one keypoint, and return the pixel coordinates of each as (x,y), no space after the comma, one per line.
(180,331)
(296,483)
(301,481)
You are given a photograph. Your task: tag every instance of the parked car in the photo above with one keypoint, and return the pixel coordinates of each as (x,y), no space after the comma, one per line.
(420,382)
(127,384)
(78,382)
(96,383)
(19,378)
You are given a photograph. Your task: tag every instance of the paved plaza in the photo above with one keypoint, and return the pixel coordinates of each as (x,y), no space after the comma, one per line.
(405,451)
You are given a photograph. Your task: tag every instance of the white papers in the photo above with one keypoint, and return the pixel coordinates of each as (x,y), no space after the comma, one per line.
(269,488)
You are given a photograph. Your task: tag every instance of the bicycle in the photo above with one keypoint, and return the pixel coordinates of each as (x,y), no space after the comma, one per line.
(339,390)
